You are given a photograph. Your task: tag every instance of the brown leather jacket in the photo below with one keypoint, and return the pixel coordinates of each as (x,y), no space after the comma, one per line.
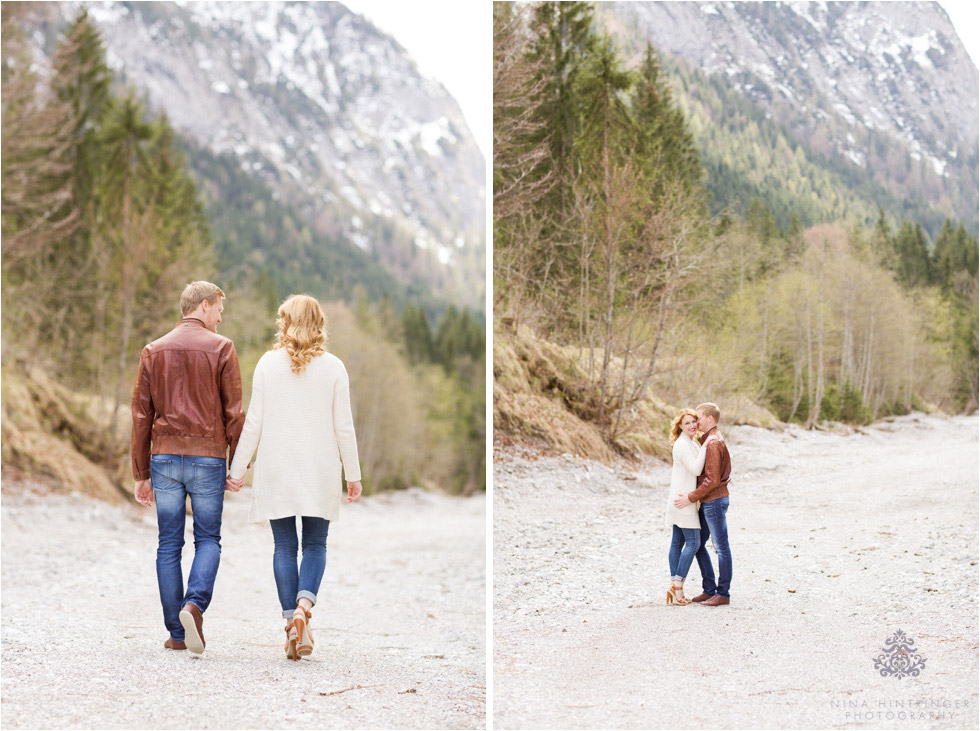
(188,396)
(713,482)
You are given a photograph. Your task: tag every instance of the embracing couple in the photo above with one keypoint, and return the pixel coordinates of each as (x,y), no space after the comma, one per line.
(697,504)
(188,420)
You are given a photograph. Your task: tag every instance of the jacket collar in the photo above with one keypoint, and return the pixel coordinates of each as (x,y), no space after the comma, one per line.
(708,433)
(191,321)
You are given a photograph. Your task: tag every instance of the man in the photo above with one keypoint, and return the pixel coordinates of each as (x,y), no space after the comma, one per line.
(187,403)
(712,490)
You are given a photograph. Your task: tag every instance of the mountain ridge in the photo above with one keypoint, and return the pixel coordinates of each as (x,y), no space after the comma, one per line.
(325,108)
(868,118)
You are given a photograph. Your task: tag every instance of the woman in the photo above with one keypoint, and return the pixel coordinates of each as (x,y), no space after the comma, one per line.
(684,522)
(300,419)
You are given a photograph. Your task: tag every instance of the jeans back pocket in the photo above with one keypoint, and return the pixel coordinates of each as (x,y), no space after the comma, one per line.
(164,472)
(209,475)
(162,464)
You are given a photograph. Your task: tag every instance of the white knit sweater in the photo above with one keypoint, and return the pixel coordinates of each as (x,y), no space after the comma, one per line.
(303,427)
(688,464)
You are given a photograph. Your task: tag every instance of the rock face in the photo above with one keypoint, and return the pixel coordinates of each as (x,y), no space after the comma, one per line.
(847,71)
(317,101)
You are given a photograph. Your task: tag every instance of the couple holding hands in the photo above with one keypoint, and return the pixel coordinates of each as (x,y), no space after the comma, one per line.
(697,504)
(188,424)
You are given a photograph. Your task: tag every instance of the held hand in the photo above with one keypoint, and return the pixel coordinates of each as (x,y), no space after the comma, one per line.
(353,491)
(144,493)
(682,502)
(233,485)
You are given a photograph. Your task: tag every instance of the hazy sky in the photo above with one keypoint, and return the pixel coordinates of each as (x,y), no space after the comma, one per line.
(965,16)
(451,41)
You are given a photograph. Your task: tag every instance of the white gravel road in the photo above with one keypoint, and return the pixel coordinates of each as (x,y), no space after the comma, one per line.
(400,625)
(838,541)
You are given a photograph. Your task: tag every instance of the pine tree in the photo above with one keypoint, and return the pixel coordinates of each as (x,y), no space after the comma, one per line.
(882,246)
(562,41)
(608,141)
(794,238)
(417,334)
(447,340)
(666,139)
(82,80)
(40,212)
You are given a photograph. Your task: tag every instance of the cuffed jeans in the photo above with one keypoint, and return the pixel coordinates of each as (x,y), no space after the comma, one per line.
(174,477)
(298,582)
(683,545)
(715,525)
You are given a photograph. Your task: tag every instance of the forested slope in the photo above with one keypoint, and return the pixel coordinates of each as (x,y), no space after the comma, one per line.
(609,245)
(773,110)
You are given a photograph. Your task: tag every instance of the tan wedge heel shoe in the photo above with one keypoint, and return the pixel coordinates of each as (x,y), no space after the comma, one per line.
(292,637)
(304,642)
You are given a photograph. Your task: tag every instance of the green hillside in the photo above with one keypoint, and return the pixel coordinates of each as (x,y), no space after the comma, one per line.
(757,144)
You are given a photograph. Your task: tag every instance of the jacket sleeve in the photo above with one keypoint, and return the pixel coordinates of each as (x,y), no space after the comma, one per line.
(712,471)
(252,430)
(692,464)
(343,427)
(230,386)
(143,412)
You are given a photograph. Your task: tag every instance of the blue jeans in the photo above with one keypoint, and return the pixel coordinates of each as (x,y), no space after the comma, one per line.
(294,583)
(680,561)
(715,525)
(174,477)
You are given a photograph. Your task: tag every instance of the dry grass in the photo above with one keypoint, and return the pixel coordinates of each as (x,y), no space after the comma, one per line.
(59,437)
(533,384)
(541,397)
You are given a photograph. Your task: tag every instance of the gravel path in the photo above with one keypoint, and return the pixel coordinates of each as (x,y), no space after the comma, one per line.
(838,541)
(400,626)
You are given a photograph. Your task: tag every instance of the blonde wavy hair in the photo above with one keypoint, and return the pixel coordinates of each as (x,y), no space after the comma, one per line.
(302,330)
(675,426)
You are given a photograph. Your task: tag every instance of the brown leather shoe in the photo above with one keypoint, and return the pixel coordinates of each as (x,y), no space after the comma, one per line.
(701,597)
(717,601)
(190,617)
(173,644)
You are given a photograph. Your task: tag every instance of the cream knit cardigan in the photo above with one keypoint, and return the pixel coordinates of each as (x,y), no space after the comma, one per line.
(303,427)
(688,464)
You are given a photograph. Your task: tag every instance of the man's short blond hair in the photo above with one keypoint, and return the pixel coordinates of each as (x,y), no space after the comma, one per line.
(710,409)
(197,292)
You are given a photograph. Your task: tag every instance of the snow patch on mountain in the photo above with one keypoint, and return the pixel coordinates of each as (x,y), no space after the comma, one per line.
(896,68)
(325,107)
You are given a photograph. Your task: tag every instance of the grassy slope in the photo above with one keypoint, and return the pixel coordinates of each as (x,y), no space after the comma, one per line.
(56,436)
(540,399)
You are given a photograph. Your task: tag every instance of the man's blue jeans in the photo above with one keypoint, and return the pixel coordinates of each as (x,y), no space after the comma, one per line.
(174,477)
(715,525)
(298,582)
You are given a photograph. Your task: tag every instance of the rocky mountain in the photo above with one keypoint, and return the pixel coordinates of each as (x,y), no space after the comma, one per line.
(886,87)
(330,112)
